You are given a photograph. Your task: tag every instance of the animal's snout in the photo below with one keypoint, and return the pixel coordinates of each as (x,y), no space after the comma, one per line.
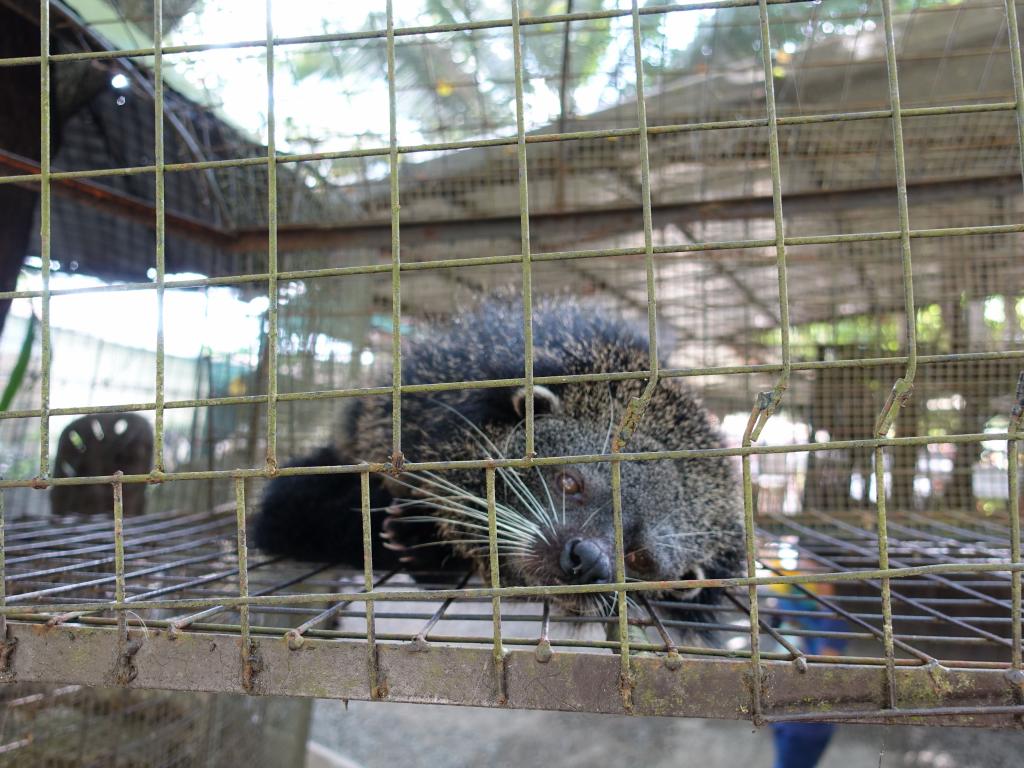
(583,561)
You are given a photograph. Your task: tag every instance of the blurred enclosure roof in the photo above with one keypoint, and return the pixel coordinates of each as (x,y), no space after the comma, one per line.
(709,183)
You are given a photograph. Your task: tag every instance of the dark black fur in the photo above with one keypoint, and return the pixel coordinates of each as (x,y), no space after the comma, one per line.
(319,518)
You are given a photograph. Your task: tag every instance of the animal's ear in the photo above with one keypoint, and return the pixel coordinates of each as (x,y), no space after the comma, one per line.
(544,401)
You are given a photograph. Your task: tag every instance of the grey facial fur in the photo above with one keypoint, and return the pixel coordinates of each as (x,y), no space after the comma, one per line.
(679,517)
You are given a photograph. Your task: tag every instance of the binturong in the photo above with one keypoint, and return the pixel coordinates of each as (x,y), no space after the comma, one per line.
(681,519)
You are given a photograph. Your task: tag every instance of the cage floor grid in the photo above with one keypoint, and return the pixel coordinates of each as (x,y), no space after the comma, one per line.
(821,646)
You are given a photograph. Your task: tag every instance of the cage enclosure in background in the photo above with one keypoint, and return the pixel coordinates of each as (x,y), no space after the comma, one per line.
(221,218)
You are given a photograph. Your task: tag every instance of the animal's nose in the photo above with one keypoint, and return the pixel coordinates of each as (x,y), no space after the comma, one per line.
(583,561)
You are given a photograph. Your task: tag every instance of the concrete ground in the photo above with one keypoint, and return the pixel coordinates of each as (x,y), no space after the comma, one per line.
(382,735)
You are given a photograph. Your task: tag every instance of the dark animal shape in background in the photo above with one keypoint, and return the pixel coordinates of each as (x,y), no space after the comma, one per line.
(102,444)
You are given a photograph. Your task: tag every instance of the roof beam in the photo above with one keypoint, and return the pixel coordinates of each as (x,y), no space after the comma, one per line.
(553,225)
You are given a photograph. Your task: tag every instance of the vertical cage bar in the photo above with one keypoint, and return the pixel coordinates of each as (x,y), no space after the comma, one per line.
(524,229)
(645,191)
(637,405)
(160,206)
(492,549)
(3,570)
(625,679)
(750,547)
(122,618)
(1013,31)
(271,250)
(371,628)
(780,228)
(1013,484)
(1012,446)
(1015,558)
(44,235)
(883,563)
(396,252)
(243,585)
(903,387)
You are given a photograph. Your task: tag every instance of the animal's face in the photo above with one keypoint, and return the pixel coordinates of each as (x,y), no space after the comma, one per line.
(555,523)
(571,507)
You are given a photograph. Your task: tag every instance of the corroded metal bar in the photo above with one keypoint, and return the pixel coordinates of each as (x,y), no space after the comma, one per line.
(659,625)
(61,588)
(159,533)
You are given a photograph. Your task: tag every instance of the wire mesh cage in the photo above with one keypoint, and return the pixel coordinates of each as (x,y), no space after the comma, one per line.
(815,203)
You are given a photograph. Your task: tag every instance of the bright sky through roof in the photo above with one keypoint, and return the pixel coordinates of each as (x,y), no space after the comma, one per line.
(333,107)
(217,320)
(318,106)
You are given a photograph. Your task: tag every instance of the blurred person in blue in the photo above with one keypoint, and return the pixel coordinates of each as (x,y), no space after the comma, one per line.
(802,744)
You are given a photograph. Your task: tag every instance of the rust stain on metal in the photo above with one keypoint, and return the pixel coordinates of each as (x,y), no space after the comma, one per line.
(125,671)
(7,649)
(252,666)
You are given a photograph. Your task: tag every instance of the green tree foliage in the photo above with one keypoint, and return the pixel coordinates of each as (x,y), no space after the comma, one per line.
(463,81)
(734,33)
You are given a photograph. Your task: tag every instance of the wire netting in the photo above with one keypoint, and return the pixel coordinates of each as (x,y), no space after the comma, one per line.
(816,204)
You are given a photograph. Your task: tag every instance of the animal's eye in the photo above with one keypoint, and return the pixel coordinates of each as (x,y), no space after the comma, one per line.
(569,483)
(640,561)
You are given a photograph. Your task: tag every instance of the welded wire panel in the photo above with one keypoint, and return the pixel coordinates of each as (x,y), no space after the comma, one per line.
(811,212)
(947,626)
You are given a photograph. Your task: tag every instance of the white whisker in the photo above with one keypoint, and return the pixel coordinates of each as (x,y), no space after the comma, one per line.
(611,419)
(514,482)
